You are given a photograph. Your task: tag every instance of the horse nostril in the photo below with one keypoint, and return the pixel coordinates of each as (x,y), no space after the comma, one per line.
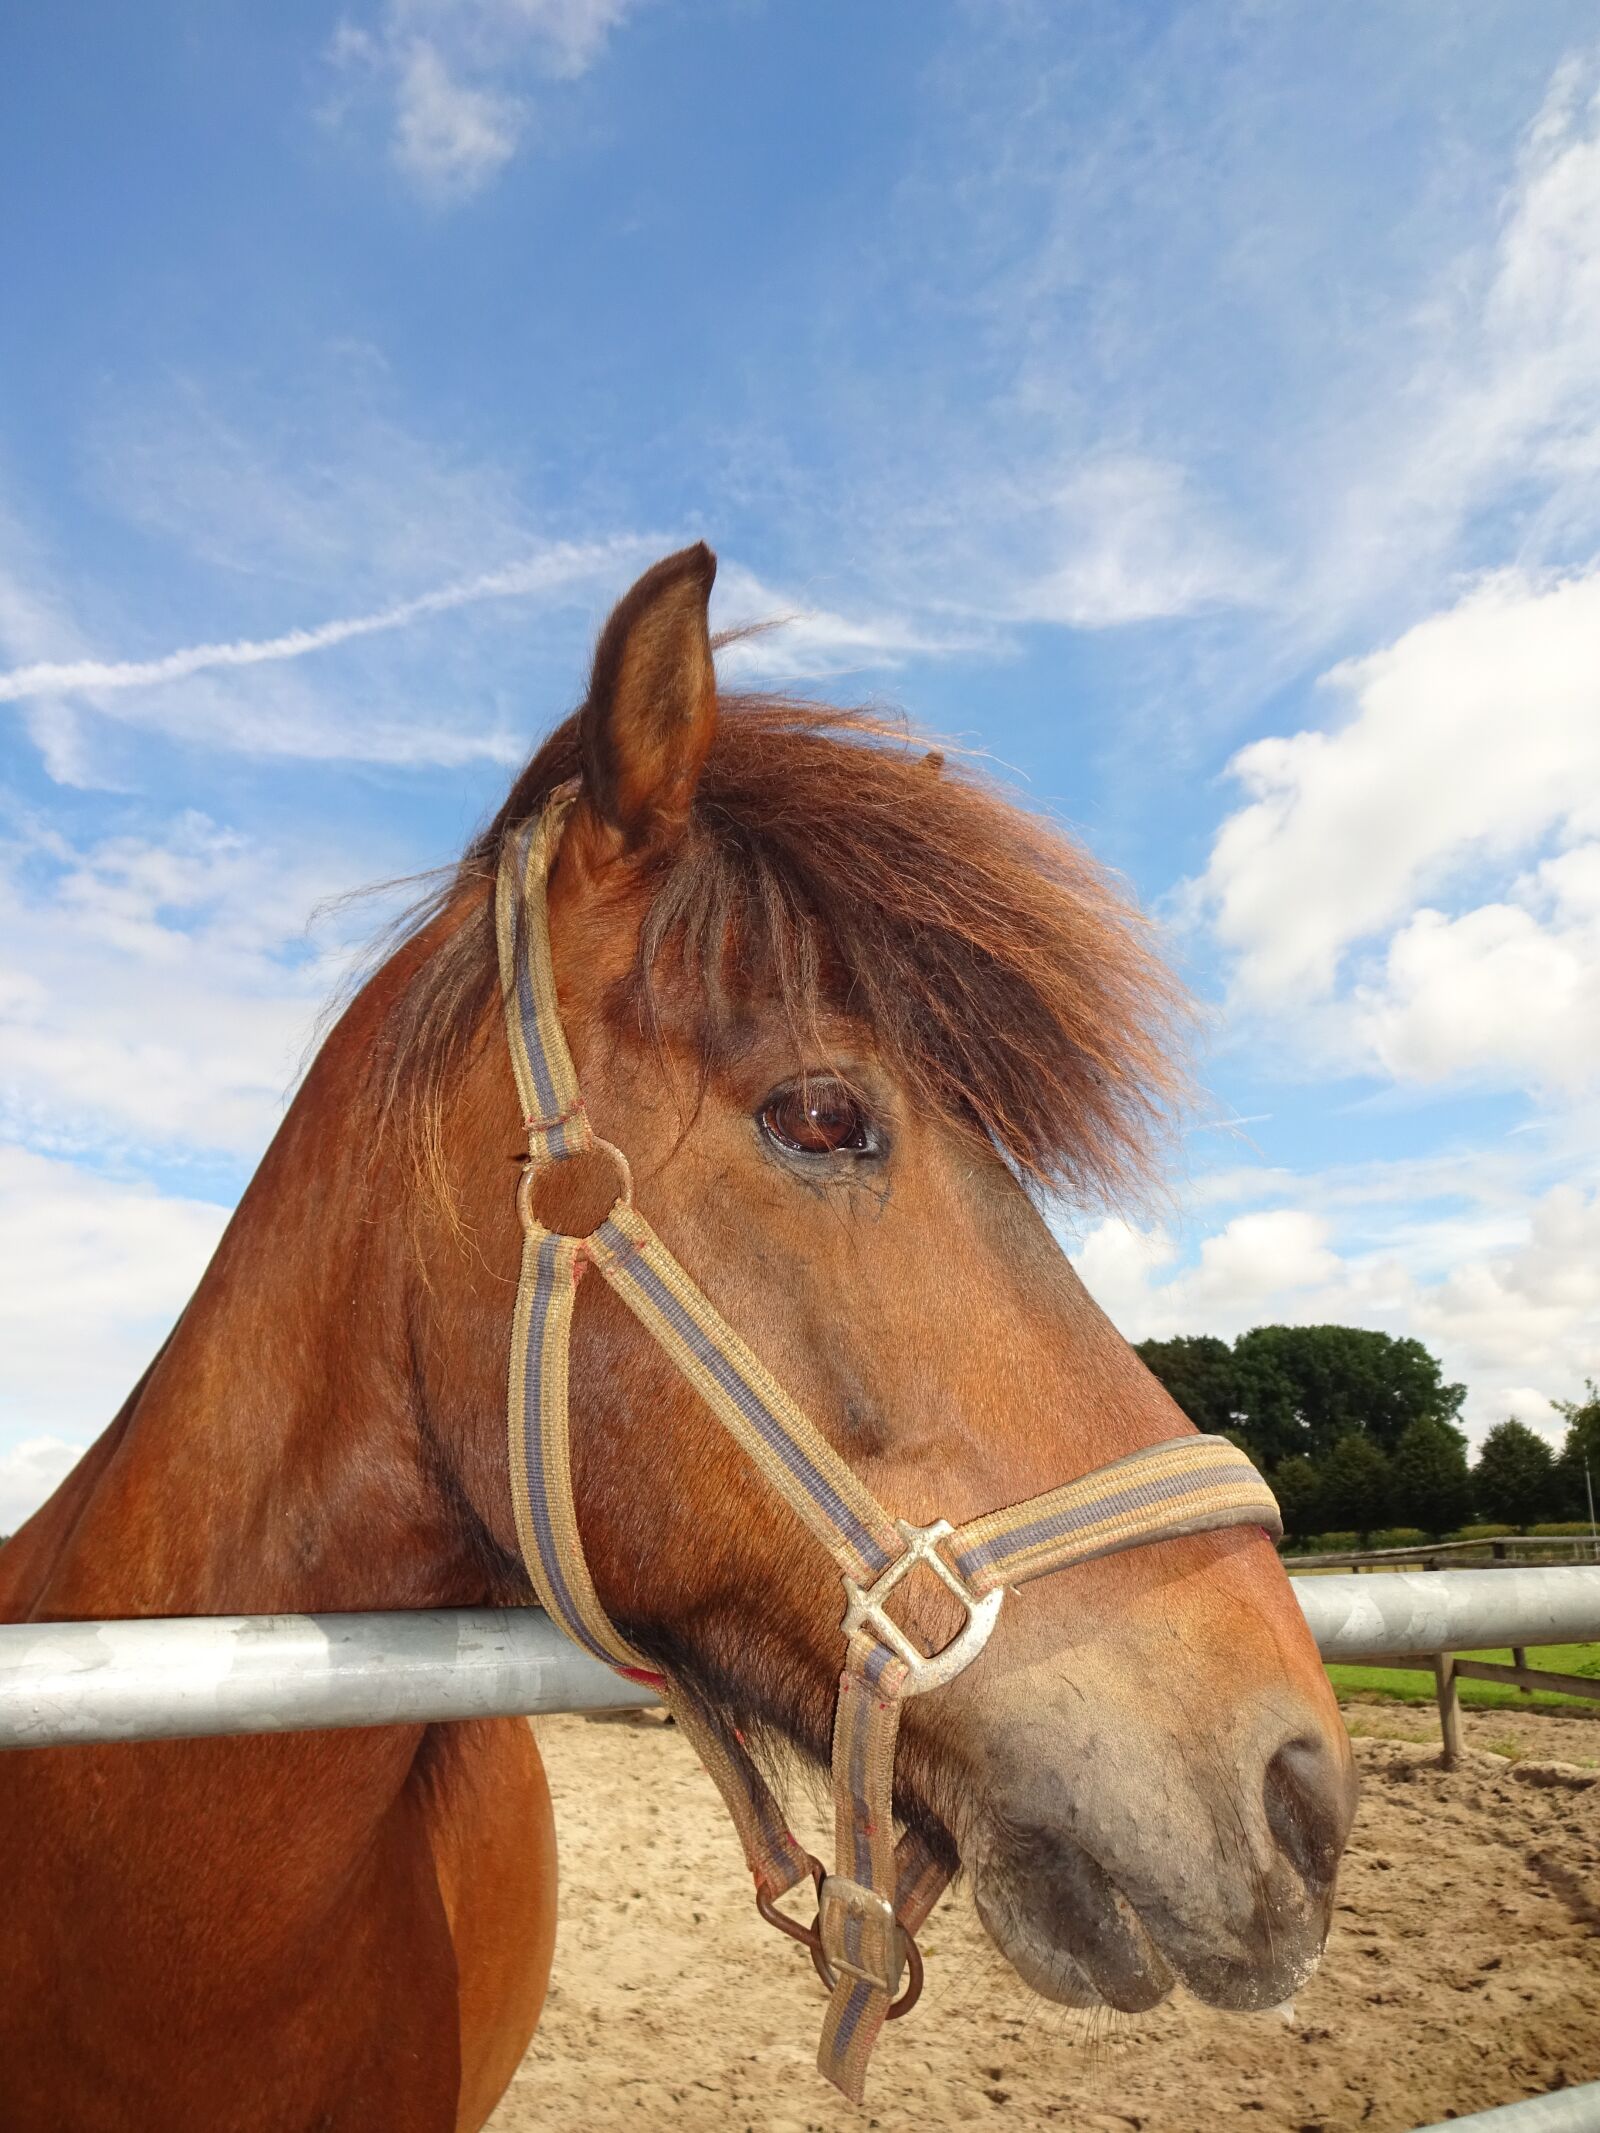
(1308,1797)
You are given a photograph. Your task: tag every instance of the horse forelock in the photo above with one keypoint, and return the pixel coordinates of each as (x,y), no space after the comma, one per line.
(833,861)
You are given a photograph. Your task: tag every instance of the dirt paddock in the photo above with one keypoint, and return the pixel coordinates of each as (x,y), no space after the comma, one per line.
(1464,1968)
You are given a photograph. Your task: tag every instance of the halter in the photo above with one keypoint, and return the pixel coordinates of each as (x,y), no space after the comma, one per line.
(879,1893)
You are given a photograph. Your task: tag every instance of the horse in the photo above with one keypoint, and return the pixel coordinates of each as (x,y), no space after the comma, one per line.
(852,1014)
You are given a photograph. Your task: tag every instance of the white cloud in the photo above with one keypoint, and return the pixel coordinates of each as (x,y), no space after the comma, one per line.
(1475,403)
(1524,1403)
(93,1273)
(349,497)
(1532,1311)
(806,642)
(1507,990)
(797,641)
(29,1472)
(1202,357)
(453,615)
(34,626)
(561,565)
(459,617)
(1125,539)
(446,63)
(1062,533)
(449,138)
(325,485)
(157,993)
(1517,1322)
(1270,1257)
(1518,391)
(1475,740)
(1411,889)
(1198,391)
(1474,735)
(566,36)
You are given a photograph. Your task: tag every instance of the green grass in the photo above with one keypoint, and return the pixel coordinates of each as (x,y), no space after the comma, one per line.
(1397,1686)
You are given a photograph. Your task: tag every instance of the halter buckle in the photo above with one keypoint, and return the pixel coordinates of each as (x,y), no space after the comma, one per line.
(865,1610)
(860,1935)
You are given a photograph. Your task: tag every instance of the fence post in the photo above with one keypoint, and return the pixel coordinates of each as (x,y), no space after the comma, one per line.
(1444,1675)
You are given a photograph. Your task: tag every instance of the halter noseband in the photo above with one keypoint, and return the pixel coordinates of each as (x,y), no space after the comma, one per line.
(880,1892)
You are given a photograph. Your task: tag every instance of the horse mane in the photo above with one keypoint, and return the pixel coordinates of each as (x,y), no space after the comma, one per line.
(833,860)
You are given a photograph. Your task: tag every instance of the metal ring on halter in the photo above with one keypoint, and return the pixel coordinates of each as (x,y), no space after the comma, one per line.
(532,1171)
(806,1935)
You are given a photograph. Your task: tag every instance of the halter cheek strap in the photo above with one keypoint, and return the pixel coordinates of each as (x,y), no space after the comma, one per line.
(880,1891)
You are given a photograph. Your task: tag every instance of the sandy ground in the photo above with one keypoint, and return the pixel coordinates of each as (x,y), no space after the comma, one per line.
(1464,1968)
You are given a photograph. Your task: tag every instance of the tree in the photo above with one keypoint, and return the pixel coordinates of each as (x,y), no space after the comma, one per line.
(1429,1485)
(1582,1447)
(1356,1486)
(1514,1481)
(1302,1388)
(1197,1369)
(1298,1488)
(1270,1394)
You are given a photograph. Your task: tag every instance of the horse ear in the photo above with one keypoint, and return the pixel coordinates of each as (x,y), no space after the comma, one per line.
(652,707)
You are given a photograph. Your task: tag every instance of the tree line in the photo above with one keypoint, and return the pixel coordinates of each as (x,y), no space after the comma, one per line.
(1358,1432)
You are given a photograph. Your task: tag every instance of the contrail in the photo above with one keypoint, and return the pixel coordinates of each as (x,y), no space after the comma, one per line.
(557,566)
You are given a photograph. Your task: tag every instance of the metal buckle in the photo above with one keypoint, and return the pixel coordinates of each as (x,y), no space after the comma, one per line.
(865,1609)
(810,1938)
(875,1952)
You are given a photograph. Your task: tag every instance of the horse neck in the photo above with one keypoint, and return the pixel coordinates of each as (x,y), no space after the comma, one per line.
(276,1456)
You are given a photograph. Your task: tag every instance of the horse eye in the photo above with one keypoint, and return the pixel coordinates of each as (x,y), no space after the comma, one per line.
(816,1118)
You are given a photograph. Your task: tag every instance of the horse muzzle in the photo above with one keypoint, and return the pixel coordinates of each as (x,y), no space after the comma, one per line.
(1107,1892)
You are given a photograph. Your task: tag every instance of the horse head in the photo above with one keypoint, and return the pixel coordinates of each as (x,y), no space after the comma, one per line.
(850,1015)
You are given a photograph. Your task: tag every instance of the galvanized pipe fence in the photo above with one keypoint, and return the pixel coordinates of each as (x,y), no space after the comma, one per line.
(1562,2111)
(167,1679)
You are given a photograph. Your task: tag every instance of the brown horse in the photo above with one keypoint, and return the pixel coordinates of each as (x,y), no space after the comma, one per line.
(842,1006)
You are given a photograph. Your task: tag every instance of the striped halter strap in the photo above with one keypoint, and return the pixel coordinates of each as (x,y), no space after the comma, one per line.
(871,1905)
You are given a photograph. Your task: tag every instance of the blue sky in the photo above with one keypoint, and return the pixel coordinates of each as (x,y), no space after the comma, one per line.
(1196,407)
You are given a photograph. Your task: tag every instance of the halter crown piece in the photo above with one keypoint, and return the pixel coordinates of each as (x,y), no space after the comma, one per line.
(879,1892)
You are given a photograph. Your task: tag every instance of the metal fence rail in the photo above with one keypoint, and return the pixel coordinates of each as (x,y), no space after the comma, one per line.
(1415,1613)
(1565,2111)
(73,1682)
(169,1679)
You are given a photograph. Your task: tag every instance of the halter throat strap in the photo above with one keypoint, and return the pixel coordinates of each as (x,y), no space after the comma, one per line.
(880,1892)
